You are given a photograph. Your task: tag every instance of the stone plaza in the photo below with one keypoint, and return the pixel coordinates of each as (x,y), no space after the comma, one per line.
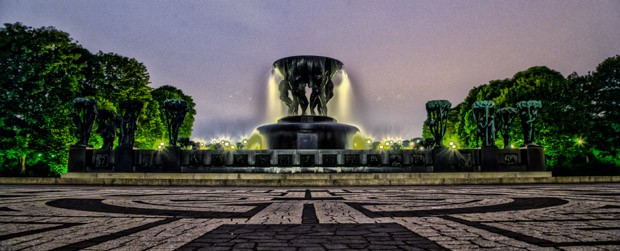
(517,217)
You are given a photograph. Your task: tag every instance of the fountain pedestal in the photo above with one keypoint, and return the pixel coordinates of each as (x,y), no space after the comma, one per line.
(308,132)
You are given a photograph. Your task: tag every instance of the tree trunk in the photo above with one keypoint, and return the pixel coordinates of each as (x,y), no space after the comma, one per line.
(22,159)
(22,164)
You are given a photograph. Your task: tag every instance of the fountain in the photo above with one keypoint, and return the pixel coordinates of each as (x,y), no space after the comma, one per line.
(305,138)
(299,130)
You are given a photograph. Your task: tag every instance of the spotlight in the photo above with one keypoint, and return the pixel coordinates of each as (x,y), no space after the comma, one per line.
(451,143)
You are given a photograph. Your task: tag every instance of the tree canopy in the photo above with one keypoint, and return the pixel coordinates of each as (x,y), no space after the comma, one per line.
(578,121)
(42,70)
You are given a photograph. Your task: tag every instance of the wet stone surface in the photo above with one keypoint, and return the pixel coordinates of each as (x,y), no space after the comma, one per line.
(528,217)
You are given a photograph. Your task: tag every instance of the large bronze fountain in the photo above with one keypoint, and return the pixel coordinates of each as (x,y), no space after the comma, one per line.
(299,130)
(306,139)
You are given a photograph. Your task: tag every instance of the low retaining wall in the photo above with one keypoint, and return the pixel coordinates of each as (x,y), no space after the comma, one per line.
(175,160)
(309,180)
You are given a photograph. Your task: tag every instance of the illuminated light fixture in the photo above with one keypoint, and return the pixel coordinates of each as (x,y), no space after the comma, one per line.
(387,143)
(233,147)
(421,148)
(245,141)
(512,146)
(453,147)
(451,143)
(381,147)
(226,144)
(369,141)
(161,144)
(222,142)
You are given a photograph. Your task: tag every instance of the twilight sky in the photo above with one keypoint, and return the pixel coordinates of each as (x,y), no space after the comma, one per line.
(398,54)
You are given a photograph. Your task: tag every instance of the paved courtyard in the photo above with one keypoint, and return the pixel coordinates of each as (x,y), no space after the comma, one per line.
(528,217)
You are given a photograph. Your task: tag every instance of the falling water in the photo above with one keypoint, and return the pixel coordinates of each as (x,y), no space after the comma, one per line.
(275,108)
(340,107)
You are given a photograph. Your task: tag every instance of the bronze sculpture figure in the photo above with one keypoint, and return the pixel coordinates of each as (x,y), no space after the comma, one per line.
(130,109)
(484,115)
(106,127)
(438,112)
(301,72)
(527,113)
(174,111)
(504,118)
(83,115)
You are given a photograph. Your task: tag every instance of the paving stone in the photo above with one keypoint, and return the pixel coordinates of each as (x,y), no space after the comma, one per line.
(524,217)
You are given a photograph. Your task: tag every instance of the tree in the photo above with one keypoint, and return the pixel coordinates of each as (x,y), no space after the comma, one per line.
(40,71)
(535,83)
(603,89)
(165,92)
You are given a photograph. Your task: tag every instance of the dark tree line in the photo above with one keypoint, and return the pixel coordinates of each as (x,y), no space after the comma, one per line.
(42,70)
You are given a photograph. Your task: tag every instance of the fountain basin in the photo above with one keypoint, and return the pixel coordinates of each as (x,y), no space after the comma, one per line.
(308,132)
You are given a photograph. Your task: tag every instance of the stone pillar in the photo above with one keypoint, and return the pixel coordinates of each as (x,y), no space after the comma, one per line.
(488,158)
(77,158)
(124,158)
(171,159)
(443,159)
(535,158)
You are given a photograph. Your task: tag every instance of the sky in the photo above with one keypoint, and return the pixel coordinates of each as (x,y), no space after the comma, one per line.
(398,54)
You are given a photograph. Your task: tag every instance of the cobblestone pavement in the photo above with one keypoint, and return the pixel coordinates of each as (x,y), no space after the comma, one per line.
(528,217)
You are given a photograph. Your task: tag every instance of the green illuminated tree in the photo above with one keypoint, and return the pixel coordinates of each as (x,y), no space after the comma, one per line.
(40,70)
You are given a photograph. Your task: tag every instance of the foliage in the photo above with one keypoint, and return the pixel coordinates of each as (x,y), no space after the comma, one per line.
(111,78)
(40,71)
(578,119)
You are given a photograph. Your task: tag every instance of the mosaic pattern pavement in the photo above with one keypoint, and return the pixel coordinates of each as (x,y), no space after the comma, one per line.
(528,217)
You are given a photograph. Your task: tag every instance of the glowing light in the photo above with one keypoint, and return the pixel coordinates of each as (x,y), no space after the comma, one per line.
(245,141)
(369,141)
(255,141)
(161,144)
(512,146)
(226,144)
(580,141)
(381,147)
(453,147)
(451,143)
(233,147)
